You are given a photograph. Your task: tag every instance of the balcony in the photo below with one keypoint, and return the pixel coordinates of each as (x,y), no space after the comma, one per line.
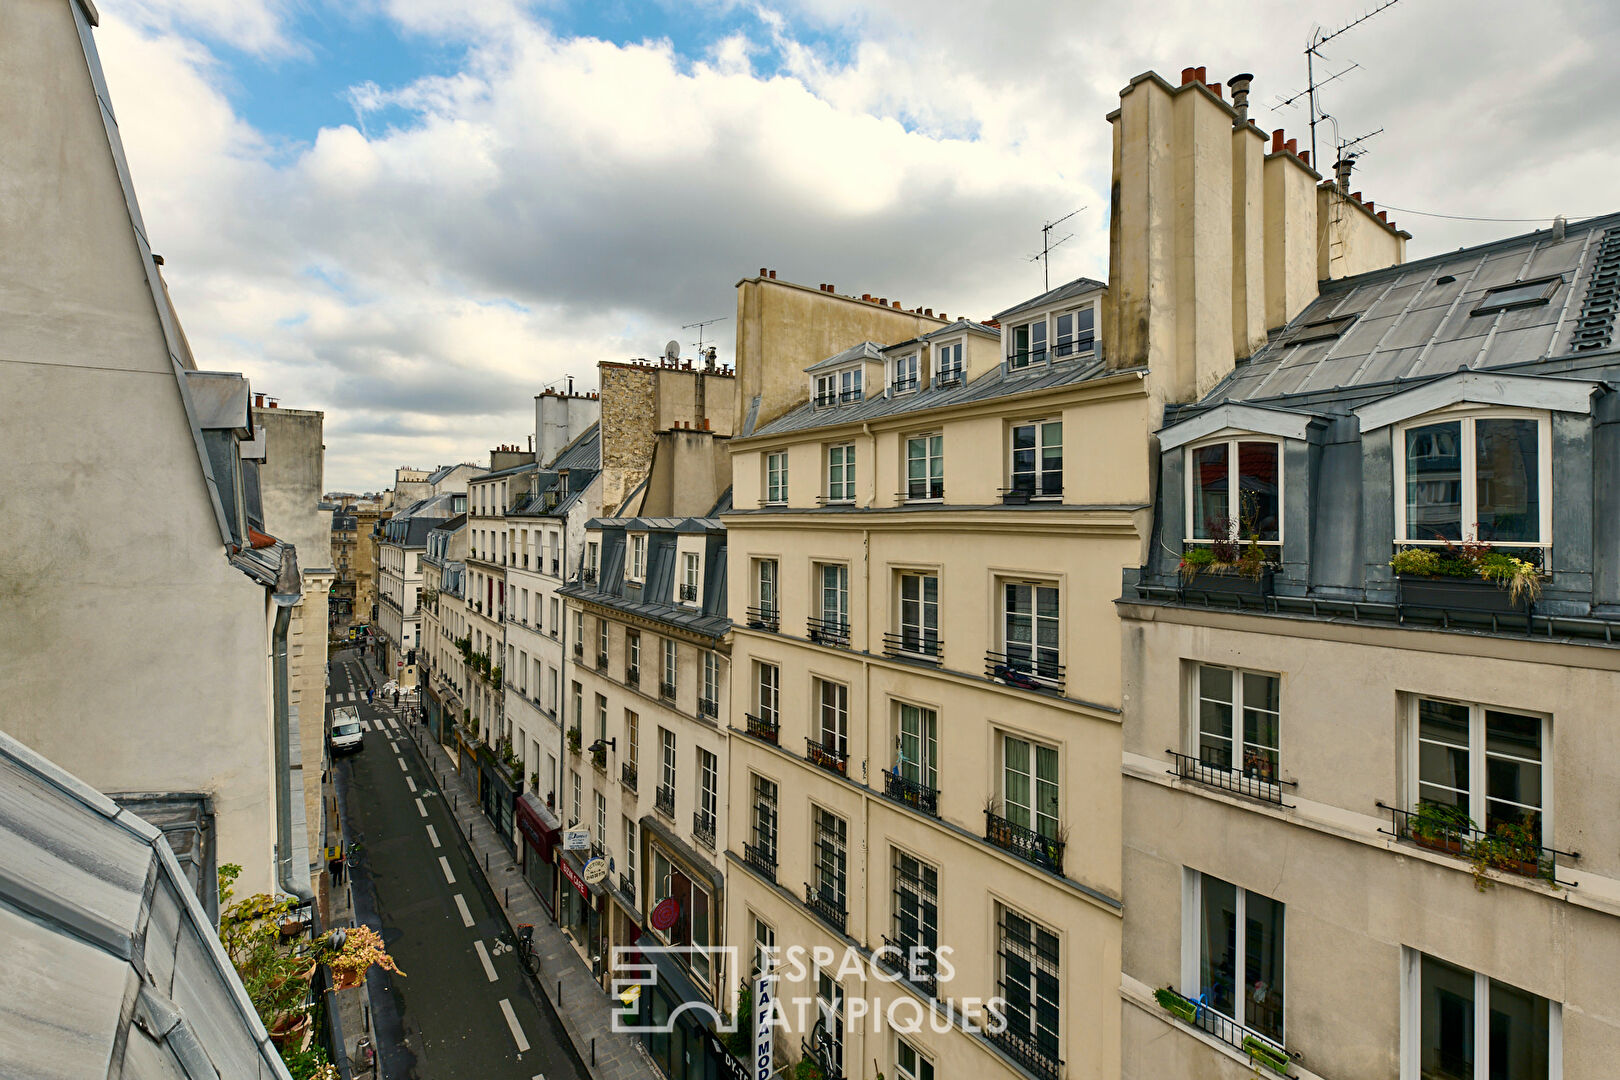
(1027,1051)
(1024,672)
(768,730)
(1509,848)
(627,886)
(587,575)
(763,861)
(764,618)
(666,690)
(664,801)
(1026,490)
(703,825)
(689,594)
(1262,1049)
(1029,845)
(708,707)
(579,650)
(834,632)
(627,775)
(914,644)
(914,961)
(828,909)
(826,757)
(1220,775)
(601,661)
(632,675)
(919,797)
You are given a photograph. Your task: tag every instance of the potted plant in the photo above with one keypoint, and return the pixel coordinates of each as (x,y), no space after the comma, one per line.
(534,781)
(1176,1005)
(1440,827)
(998,830)
(1266,1055)
(1237,568)
(573,740)
(361,948)
(1513,847)
(289,1028)
(1466,576)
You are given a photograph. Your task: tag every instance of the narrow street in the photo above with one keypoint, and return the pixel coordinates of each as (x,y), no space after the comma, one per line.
(465,1007)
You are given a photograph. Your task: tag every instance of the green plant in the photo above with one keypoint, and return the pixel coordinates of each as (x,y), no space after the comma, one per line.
(574,739)
(274,973)
(1265,1054)
(495,676)
(1174,1004)
(466,716)
(1439,823)
(807,1070)
(309,1064)
(1512,846)
(739,1042)
(1417,561)
(362,947)
(1520,578)
(1196,559)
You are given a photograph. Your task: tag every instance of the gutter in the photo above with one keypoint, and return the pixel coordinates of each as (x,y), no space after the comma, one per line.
(287,593)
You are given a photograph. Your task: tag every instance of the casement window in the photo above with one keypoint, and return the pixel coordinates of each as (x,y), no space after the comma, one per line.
(765,820)
(833,716)
(602,633)
(831,855)
(1037,458)
(1487,763)
(1029,785)
(1463,1025)
(593,559)
(925,467)
(632,650)
(671,654)
(601,718)
(1239,721)
(1250,467)
(919,614)
(1075,333)
(905,374)
(830,1013)
(764,943)
(579,707)
(691,927)
(765,586)
(638,557)
(841,473)
(1031,628)
(909,1063)
(630,846)
(834,594)
(601,819)
(916,916)
(689,576)
(579,627)
(709,700)
(708,793)
(948,363)
(632,737)
(839,387)
(768,692)
(556,619)
(1028,956)
(667,738)
(1233,960)
(1486,478)
(551,690)
(579,787)
(1029,343)
(776,478)
(917,745)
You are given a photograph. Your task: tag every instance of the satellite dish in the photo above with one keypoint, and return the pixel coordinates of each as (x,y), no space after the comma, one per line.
(672,351)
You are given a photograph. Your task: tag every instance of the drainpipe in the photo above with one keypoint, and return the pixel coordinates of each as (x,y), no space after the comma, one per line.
(288,593)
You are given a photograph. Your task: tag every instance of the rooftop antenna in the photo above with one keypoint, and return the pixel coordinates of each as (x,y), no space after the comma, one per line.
(700,326)
(1318,39)
(672,353)
(1044,257)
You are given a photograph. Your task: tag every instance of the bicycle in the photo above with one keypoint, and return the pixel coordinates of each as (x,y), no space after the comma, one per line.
(525,947)
(357,847)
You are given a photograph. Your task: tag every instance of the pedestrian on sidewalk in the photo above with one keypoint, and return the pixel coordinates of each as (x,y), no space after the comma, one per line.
(369,692)
(334,867)
(396,699)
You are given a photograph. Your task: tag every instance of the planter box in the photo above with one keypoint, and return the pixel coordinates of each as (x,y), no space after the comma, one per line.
(1231,587)
(1450,845)
(1470,595)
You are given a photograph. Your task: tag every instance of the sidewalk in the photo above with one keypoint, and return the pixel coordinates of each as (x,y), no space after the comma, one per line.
(563,976)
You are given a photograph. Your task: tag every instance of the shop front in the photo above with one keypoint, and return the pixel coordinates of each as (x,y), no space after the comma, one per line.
(582,912)
(689,1047)
(495,792)
(435,711)
(540,830)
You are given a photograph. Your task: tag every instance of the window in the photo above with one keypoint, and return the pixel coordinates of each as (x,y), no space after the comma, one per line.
(1238,952)
(601,819)
(925,467)
(579,707)
(579,786)
(830,854)
(1485,762)
(638,557)
(765,586)
(708,767)
(919,614)
(839,387)
(948,364)
(833,714)
(1029,343)
(1327,329)
(632,650)
(1075,333)
(1037,458)
(776,476)
(841,473)
(670,656)
(593,558)
(692,925)
(1028,955)
(579,628)
(835,597)
(764,943)
(1517,295)
(689,576)
(668,738)
(709,702)
(1030,627)
(630,854)
(916,916)
(1248,467)
(555,618)
(602,637)
(917,745)
(1464,1025)
(905,374)
(1029,785)
(632,737)
(909,1064)
(1477,478)
(1249,745)
(830,1012)
(768,695)
(601,718)
(765,819)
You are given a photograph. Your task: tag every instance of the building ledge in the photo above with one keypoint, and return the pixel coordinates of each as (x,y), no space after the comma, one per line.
(1134,991)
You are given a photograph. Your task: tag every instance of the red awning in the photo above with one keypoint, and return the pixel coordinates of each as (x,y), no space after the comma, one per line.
(538,825)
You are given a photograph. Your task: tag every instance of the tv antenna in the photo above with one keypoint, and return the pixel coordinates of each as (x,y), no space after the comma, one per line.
(1044,256)
(700,326)
(1318,39)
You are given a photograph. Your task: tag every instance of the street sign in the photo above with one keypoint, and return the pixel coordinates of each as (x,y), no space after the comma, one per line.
(666,913)
(764,1063)
(596,870)
(399,663)
(577,839)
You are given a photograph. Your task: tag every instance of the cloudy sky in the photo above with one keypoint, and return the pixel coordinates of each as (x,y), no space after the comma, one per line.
(415,214)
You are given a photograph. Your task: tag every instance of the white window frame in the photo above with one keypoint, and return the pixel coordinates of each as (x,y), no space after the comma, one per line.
(761,577)
(708,770)
(691,566)
(1195,729)
(932,463)
(768,691)
(671,662)
(841,571)
(1231,441)
(669,774)
(1469,455)
(1034,809)
(1192,906)
(638,556)
(922,1059)
(954,351)
(1478,789)
(1412,1020)
(841,490)
(906,370)
(1039,424)
(776,478)
(711,676)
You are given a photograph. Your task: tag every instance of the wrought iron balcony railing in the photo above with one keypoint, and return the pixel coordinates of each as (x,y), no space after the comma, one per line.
(708,707)
(579,650)
(760,858)
(1254,781)
(833,632)
(587,575)
(827,757)
(1024,671)
(914,645)
(632,675)
(689,592)
(666,689)
(703,826)
(769,730)
(627,775)
(1028,1051)
(664,800)
(1043,851)
(913,794)
(1512,849)
(601,661)
(914,961)
(627,886)
(764,618)
(828,909)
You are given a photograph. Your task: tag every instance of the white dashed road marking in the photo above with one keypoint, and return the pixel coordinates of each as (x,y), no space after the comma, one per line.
(461,906)
(402,767)
(511,1022)
(420,809)
(410,783)
(444,864)
(433,836)
(483,958)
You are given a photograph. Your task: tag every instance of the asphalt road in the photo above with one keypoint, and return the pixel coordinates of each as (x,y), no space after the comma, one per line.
(465,1007)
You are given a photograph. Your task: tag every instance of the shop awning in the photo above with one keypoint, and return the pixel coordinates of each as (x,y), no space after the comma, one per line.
(539,825)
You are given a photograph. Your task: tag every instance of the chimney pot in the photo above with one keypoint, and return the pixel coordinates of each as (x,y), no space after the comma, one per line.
(762,271)
(1383,215)
(1216,87)
(1369,207)
(929,312)
(773,275)
(1200,75)
(1356,195)
(705,423)
(1292,146)
(1188,75)
(896,304)
(1305,156)
(883,301)
(1277,140)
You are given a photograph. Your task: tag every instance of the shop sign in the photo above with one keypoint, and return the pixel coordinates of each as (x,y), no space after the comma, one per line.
(577,839)
(573,876)
(596,870)
(665,914)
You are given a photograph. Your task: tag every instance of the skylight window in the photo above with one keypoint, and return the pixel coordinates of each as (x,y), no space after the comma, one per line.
(1323,329)
(1517,295)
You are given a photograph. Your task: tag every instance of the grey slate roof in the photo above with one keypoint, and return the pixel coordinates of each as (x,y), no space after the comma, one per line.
(866,350)
(654,599)
(1001,382)
(409,527)
(112,967)
(527,466)
(1077,287)
(1414,322)
(960,325)
(585,452)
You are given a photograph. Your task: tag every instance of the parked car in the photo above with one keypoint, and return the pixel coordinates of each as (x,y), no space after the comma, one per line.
(346,735)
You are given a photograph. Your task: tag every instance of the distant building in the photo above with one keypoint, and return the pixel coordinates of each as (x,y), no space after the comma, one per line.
(400,548)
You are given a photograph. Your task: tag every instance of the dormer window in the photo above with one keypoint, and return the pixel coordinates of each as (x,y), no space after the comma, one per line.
(1075,333)
(638,557)
(839,387)
(1029,343)
(1068,333)
(1249,467)
(1474,478)
(948,364)
(905,374)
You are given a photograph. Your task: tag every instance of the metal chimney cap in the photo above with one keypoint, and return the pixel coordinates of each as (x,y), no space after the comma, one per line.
(1244,78)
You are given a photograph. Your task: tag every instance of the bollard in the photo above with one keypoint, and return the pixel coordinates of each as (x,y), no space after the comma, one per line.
(593,1051)
(486,864)
(559,991)
(508,896)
